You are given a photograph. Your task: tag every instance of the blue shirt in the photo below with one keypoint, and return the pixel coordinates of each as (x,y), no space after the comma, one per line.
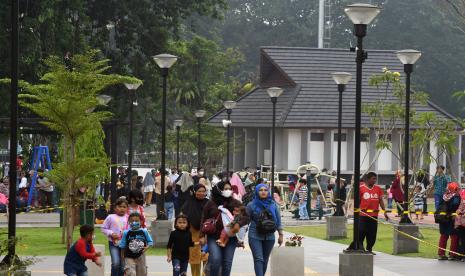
(134,242)
(440,184)
(254,217)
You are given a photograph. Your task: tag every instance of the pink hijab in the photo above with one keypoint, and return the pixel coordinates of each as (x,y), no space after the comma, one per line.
(237,182)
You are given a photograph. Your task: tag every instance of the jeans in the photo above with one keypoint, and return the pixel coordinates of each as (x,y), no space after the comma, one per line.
(221,257)
(179,267)
(368,230)
(389,203)
(116,262)
(303,214)
(437,201)
(79,274)
(261,250)
(169,210)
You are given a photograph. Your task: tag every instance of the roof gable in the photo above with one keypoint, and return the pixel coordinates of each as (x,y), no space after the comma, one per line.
(311,97)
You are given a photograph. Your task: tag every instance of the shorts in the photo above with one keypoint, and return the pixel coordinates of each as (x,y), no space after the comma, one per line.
(419,207)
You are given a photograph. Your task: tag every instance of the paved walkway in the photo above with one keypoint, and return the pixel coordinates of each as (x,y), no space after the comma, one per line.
(321,259)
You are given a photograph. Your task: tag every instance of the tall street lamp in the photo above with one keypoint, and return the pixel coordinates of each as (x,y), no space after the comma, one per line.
(177,125)
(341,79)
(274,93)
(13,132)
(361,15)
(132,87)
(408,58)
(199,114)
(228,105)
(164,61)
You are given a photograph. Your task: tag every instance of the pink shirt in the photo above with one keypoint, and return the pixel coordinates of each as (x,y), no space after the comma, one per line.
(115,224)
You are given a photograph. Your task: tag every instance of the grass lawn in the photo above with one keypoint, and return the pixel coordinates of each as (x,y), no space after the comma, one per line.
(384,238)
(47,242)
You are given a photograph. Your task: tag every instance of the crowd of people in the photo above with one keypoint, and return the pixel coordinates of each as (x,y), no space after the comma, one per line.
(211,219)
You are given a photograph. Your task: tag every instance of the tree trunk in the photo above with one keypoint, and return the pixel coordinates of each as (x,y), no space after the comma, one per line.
(70,200)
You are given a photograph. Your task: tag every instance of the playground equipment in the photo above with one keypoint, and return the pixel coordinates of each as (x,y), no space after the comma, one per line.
(40,159)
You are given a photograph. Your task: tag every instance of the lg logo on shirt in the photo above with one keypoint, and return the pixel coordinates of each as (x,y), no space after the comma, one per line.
(370,196)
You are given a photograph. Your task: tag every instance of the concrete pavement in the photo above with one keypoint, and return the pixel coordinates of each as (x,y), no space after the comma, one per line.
(321,259)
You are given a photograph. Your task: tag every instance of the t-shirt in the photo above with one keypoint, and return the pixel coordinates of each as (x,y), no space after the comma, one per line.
(77,255)
(369,199)
(179,243)
(134,241)
(303,193)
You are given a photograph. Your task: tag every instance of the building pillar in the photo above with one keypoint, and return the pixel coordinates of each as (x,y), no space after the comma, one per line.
(251,138)
(372,151)
(350,149)
(395,140)
(328,140)
(294,150)
(305,138)
(455,167)
(238,149)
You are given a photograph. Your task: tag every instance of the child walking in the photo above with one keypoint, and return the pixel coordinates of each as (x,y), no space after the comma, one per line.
(178,246)
(136,202)
(418,194)
(113,228)
(134,244)
(80,251)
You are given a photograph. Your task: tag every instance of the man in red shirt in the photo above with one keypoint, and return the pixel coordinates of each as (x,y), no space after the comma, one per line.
(371,198)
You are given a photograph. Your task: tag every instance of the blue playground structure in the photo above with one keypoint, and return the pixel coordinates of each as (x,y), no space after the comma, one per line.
(40,159)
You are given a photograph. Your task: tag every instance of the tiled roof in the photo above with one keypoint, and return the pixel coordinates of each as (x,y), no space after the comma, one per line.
(312,102)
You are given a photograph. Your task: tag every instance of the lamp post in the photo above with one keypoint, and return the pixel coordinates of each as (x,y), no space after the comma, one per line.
(341,79)
(361,15)
(199,114)
(408,58)
(228,105)
(177,125)
(164,61)
(274,93)
(132,87)
(13,132)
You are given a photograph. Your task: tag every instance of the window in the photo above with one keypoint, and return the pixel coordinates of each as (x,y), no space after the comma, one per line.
(364,137)
(384,136)
(317,137)
(343,137)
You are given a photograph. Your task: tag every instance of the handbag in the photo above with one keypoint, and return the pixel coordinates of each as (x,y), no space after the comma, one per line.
(208,227)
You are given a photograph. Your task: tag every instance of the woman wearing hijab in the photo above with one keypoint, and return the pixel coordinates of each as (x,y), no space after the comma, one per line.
(451,199)
(149,186)
(237,182)
(221,257)
(193,209)
(261,244)
(183,189)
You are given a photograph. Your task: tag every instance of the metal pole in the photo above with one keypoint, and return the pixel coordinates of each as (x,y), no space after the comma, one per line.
(131,126)
(178,128)
(360,32)
(198,141)
(339,210)
(13,131)
(161,209)
(273,134)
(408,68)
(228,142)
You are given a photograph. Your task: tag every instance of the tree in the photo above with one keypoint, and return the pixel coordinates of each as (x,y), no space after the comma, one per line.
(387,115)
(66,99)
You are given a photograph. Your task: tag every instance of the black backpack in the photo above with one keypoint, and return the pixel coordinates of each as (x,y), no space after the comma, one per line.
(266,223)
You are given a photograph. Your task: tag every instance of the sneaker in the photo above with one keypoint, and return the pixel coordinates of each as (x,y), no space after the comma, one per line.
(442,258)
(454,259)
(372,253)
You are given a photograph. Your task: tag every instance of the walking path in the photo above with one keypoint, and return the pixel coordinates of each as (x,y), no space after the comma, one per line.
(321,259)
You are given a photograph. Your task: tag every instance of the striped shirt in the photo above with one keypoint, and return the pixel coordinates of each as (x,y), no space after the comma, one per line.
(303,193)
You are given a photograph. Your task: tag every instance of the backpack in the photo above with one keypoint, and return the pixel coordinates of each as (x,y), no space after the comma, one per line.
(266,223)
(441,215)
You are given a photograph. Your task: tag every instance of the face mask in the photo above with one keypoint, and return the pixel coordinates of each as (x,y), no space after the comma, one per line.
(227,193)
(201,173)
(135,225)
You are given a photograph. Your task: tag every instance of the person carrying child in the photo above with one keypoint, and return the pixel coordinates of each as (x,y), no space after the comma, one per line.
(80,251)
(113,228)
(134,243)
(178,245)
(231,225)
